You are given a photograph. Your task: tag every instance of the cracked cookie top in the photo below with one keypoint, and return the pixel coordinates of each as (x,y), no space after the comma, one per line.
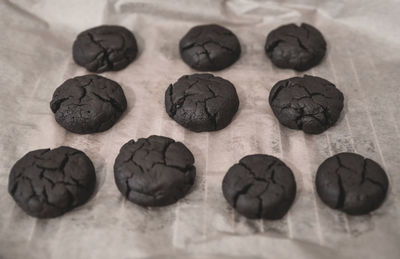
(88,104)
(105,48)
(308,103)
(260,186)
(202,102)
(154,171)
(351,183)
(209,48)
(299,48)
(47,183)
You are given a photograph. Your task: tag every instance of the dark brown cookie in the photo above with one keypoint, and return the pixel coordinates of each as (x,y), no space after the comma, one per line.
(154,171)
(308,103)
(88,104)
(105,48)
(260,186)
(209,48)
(47,183)
(202,102)
(351,183)
(299,48)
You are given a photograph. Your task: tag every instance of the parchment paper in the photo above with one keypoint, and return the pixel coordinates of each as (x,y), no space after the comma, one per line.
(363,60)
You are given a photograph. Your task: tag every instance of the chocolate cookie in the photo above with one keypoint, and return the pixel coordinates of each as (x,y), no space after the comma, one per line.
(260,186)
(88,104)
(299,48)
(154,171)
(351,183)
(209,48)
(308,103)
(47,183)
(105,48)
(202,102)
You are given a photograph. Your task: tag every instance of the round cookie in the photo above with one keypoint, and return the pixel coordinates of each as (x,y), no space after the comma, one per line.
(47,183)
(299,48)
(308,103)
(105,48)
(88,104)
(351,183)
(154,171)
(209,48)
(202,102)
(260,186)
